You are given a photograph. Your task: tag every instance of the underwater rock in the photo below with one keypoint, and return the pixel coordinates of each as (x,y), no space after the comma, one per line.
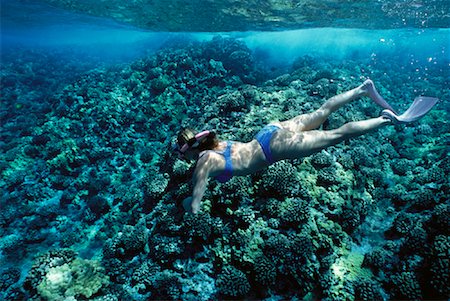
(98,205)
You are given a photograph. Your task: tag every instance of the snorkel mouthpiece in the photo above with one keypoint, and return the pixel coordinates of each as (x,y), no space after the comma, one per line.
(194,142)
(184,148)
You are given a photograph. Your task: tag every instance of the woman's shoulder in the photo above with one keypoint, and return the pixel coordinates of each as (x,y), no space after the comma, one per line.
(208,155)
(205,154)
(211,161)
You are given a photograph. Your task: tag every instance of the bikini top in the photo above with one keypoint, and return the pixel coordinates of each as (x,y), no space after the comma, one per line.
(227,174)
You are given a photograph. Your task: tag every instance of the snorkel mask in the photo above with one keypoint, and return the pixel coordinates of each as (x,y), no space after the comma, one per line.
(193,142)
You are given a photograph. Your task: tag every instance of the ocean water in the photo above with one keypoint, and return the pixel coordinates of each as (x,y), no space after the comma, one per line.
(93,95)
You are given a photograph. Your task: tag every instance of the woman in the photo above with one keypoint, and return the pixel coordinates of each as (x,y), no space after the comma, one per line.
(291,139)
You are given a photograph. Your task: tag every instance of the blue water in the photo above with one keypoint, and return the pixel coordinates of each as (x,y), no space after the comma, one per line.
(91,192)
(37,25)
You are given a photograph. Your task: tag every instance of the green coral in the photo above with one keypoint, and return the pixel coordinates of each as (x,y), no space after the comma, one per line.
(440,274)
(128,243)
(160,83)
(328,176)
(237,189)
(66,159)
(165,248)
(143,276)
(80,278)
(367,290)
(265,270)
(165,285)
(154,183)
(404,223)
(8,278)
(280,178)
(199,227)
(406,286)
(402,166)
(293,212)
(233,102)
(232,282)
(322,159)
(42,264)
(339,281)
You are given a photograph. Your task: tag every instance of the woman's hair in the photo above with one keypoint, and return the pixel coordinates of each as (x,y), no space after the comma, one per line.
(187,134)
(184,136)
(209,142)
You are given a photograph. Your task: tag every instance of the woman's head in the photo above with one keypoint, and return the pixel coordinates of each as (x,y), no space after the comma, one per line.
(184,136)
(189,141)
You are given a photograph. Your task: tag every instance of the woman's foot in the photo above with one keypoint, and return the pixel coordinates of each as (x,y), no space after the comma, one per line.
(388,114)
(368,89)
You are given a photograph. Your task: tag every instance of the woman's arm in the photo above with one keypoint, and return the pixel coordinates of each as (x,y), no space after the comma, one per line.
(200,180)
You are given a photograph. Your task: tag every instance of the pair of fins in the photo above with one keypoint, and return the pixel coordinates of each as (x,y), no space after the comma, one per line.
(420,106)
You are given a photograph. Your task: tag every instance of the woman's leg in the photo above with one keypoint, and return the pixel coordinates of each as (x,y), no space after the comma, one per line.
(297,145)
(313,120)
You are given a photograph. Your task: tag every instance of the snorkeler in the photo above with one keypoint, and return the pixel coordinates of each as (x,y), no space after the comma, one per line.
(290,139)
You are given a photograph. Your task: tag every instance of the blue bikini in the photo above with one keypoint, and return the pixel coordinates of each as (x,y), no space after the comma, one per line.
(263,137)
(228,172)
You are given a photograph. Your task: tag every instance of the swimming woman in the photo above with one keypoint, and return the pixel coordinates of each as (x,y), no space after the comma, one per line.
(290,139)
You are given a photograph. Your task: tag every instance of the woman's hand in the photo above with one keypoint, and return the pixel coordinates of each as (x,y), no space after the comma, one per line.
(190,206)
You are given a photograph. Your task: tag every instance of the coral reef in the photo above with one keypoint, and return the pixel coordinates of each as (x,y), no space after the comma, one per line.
(59,274)
(232,282)
(90,184)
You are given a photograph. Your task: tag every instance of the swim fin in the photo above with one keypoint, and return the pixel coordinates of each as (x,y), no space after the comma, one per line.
(383,103)
(417,110)
(376,97)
